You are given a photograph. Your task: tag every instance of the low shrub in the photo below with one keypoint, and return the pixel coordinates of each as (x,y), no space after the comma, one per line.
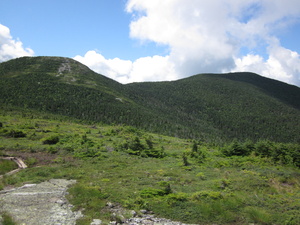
(15,134)
(152,192)
(238,149)
(134,146)
(174,198)
(52,140)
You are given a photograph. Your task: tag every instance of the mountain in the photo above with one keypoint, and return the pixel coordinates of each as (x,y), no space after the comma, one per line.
(208,107)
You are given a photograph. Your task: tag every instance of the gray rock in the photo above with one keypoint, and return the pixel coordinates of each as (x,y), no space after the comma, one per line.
(133,213)
(110,205)
(39,204)
(96,222)
(143,211)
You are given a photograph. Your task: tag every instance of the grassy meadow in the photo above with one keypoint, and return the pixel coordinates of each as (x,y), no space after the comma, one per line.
(183,180)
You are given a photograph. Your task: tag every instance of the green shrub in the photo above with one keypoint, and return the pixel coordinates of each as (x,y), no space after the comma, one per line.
(15,134)
(166,187)
(31,161)
(136,203)
(134,146)
(185,158)
(174,198)
(264,148)
(87,152)
(200,195)
(52,140)
(152,192)
(154,153)
(238,149)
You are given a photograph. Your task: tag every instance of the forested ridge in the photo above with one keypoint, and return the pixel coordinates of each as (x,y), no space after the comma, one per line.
(208,107)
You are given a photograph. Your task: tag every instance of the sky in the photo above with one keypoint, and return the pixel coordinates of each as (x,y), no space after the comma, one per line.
(158,40)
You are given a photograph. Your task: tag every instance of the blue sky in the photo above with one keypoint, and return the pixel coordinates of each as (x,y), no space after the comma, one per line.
(71,27)
(139,40)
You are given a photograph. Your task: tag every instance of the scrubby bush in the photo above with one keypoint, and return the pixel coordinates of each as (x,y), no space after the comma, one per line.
(52,140)
(185,158)
(174,198)
(197,153)
(206,195)
(238,149)
(152,192)
(282,153)
(135,146)
(14,133)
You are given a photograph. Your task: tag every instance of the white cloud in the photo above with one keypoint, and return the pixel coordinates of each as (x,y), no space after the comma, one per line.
(113,68)
(10,48)
(206,36)
(153,68)
(282,64)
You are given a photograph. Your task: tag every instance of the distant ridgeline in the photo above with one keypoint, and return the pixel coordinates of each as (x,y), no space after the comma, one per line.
(208,107)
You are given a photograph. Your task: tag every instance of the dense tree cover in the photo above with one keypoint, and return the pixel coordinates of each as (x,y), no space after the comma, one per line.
(283,153)
(211,107)
(226,108)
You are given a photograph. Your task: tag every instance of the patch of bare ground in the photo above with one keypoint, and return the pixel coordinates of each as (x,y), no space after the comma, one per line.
(39,204)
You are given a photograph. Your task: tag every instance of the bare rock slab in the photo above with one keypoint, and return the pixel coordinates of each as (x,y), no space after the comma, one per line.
(38,204)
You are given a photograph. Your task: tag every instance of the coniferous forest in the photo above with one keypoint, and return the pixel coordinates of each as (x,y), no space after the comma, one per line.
(210,107)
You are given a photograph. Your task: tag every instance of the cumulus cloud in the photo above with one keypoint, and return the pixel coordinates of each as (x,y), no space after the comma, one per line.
(10,48)
(282,64)
(207,36)
(154,68)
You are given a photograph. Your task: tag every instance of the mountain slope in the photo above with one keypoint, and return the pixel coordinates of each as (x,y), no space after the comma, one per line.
(211,107)
(63,86)
(234,108)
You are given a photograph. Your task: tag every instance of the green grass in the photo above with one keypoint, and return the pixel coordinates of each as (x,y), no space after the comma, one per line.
(212,189)
(7,219)
(6,166)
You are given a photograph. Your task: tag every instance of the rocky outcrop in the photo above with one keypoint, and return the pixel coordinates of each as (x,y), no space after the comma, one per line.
(148,219)
(143,217)
(40,204)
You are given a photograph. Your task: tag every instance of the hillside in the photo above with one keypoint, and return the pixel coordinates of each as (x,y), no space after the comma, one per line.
(207,107)
(239,105)
(123,167)
(66,87)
